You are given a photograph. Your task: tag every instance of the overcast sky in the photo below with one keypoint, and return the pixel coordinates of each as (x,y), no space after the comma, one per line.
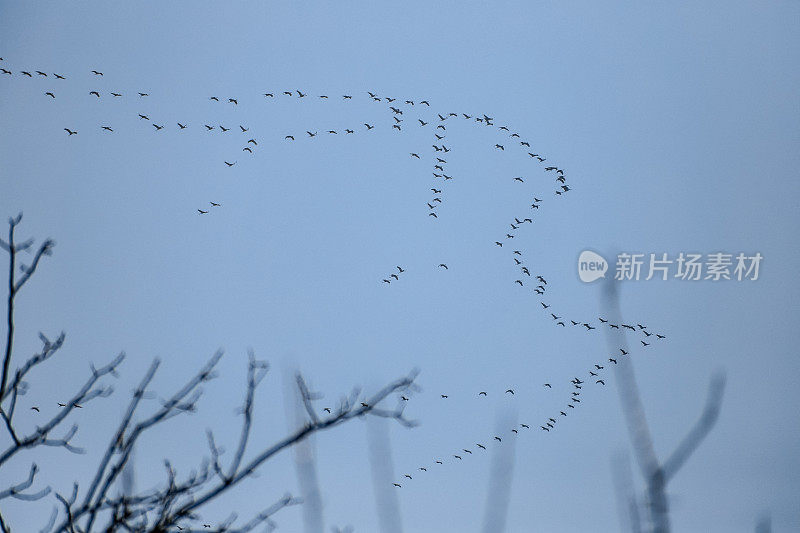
(676,126)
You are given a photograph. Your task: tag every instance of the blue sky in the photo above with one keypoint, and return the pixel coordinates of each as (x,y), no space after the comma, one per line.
(677,129)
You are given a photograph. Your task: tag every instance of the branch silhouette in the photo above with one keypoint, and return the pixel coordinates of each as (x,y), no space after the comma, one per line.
(176,502)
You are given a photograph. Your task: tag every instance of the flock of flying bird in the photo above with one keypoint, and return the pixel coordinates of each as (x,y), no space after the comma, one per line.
(437,123)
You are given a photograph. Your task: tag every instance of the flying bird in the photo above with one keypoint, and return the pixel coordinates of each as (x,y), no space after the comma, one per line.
(96,73)
(70,131)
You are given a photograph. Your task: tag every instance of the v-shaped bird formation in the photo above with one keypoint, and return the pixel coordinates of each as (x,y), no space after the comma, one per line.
(402,116)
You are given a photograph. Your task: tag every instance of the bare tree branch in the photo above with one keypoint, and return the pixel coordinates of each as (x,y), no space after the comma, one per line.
(701,428)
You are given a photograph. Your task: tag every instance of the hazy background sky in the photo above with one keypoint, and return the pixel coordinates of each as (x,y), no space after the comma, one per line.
(677,125)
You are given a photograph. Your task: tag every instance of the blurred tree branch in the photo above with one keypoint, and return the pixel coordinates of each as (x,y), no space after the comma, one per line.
(656,474)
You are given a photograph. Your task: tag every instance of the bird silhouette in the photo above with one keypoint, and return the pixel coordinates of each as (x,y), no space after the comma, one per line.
(70,132)
(601,382)
(482,393)
(181,126)
(202,212)
(106,128)
(233,101)
(510,390)
(230,164)
(443,265)
(97,94)
(96,73)
(35,409)
(50,95)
